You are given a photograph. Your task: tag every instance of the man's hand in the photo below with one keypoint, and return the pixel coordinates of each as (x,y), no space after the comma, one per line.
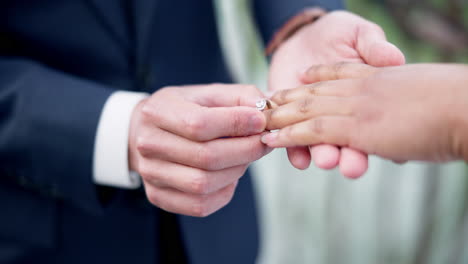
(413,112)
(336,37)
(191,145)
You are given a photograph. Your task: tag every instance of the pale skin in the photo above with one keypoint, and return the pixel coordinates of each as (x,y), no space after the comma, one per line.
(412,112)
(338,36)
(191,145)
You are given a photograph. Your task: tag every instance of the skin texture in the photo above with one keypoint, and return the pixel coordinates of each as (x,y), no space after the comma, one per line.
(191,145)
(412,112)
(337,37)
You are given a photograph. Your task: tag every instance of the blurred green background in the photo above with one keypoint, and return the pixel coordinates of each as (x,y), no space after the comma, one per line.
(425,30)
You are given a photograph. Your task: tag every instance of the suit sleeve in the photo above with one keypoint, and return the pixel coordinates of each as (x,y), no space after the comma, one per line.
(48,122)
(272,14)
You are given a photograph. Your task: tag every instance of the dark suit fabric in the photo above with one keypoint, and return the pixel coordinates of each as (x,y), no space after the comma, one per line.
(59,62)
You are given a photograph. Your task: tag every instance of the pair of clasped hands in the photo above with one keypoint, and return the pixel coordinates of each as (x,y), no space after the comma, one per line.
(191,144)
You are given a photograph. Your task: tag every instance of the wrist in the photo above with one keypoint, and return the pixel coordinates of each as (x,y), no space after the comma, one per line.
(305,17)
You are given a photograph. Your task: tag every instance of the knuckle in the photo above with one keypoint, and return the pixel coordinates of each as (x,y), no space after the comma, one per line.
(305,104)
(339,69)
(281,96)
(147,111)
(199,184)
(313,69)
(252,90)
(145,171)
(195,125)
(153,196)
(237,123)
(200,207)
(317,126)
(154,199)
(312,73)
(320,70)
(311,89)
(314,88)
(144,146)
(205,158)
(150,114)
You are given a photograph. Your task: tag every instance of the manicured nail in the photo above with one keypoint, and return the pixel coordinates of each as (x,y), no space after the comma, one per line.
(269,138)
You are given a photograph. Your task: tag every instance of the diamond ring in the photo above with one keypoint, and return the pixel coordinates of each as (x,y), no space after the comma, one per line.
(261,104)
(265,104)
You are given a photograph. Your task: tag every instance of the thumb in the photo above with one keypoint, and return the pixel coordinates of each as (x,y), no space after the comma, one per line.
(374,48)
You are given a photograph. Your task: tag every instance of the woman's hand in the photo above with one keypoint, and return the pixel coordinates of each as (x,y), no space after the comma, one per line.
(413,112)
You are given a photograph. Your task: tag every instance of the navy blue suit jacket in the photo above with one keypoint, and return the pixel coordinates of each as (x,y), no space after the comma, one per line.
(59,62)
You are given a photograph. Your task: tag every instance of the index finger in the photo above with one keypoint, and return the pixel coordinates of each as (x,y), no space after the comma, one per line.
(343,70)
(222,95)
(337,88)
(307,108)
(206,112)
(199,123)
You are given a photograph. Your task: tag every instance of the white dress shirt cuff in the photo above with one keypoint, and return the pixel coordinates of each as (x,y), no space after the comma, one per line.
(110,164)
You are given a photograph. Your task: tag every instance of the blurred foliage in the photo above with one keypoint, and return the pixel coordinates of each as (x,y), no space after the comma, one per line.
(425,30)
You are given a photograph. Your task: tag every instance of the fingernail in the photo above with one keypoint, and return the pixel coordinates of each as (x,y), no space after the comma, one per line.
(269,138)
